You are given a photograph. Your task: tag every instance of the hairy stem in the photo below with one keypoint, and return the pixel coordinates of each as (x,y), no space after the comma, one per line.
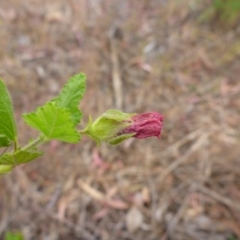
(15,145)
(34,143)
(84,131)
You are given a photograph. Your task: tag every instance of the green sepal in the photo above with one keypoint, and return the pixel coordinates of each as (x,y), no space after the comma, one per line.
(121,138)
(108,127)
(117,115)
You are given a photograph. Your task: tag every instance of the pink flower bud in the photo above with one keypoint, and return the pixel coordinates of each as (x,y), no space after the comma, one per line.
(115,126)
(145,125)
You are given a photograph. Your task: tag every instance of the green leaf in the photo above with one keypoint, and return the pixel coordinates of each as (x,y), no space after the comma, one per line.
(13,236)
(8,130)
(21,156)
(71,95)
(4,141)
(53,122)
(5,169)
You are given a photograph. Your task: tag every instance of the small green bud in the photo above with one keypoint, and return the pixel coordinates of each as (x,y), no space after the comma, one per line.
(108,126)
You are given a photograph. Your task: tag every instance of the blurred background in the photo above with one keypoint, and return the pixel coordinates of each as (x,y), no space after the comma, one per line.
(180,58)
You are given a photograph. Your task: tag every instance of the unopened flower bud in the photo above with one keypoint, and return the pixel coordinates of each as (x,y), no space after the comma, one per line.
(115,126)
(145,125)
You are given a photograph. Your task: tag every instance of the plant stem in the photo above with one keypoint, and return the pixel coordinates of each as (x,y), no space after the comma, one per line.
(15,145)
(33,144)
(84,131)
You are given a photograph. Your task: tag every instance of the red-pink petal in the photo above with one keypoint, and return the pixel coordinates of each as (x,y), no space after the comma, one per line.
(146,125)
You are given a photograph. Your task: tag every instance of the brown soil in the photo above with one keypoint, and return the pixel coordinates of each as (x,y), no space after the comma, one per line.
(139,56)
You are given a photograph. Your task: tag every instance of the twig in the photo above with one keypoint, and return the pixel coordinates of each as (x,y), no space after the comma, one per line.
(33,144)
(172,149)
(116,76)
(181,210)
(228,202)
(67,223)
(182,159)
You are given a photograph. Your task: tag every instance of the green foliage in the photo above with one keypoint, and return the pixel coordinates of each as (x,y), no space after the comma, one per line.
(18,157)
(71,95)
(5,169)
(13,236)
(225,12)
(56,119)
(53,122)
(8,131)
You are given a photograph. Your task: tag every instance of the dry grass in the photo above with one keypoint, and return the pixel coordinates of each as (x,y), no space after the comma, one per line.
(139,56)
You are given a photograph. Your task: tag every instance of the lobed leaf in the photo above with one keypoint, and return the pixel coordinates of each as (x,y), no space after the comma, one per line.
(53,122)
(8,130)
(18,157)
(71,95)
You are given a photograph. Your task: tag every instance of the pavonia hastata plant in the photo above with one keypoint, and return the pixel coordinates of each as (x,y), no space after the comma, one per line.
(59,118)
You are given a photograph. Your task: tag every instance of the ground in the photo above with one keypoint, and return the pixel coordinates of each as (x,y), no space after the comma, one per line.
(138,56)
